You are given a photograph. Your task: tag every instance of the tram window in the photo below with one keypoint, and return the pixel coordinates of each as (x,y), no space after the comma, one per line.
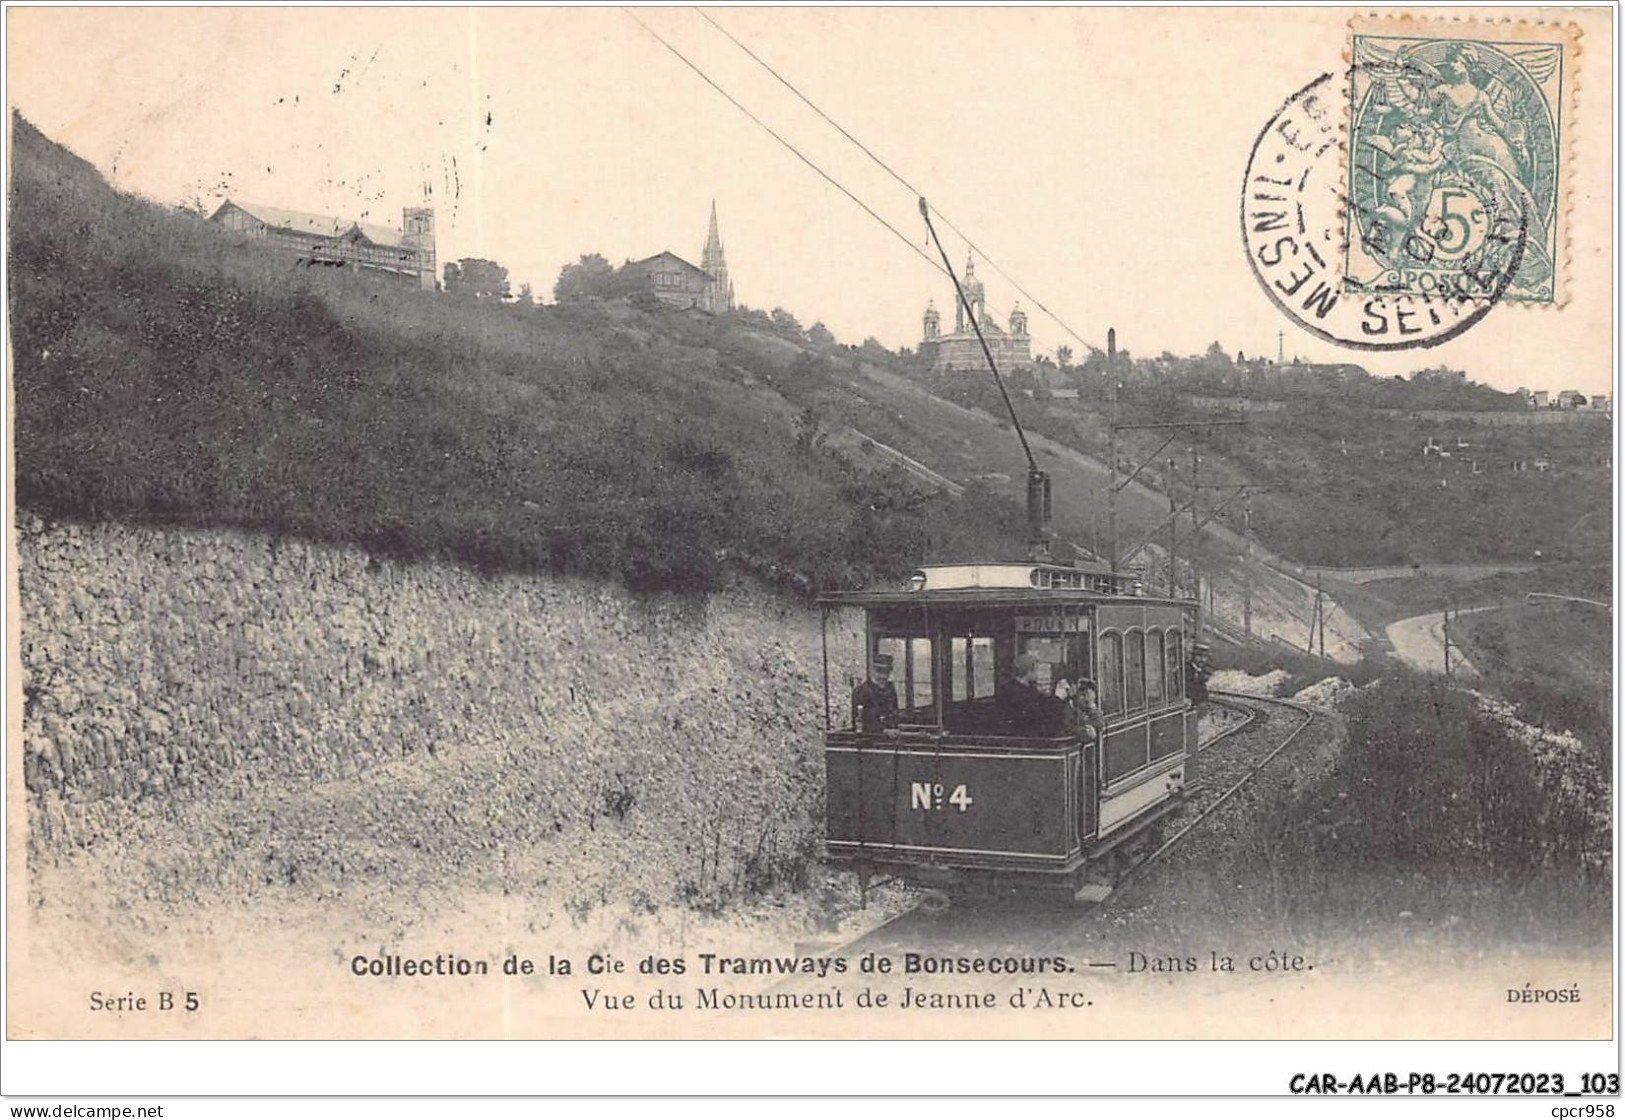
(911,673)
(970,668)
(1176,664)
(1134,670)
(981,658)
(1111,674)
(1054,658)
(919,673)
(1154,678)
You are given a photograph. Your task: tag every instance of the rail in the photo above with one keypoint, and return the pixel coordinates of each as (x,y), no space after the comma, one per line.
(1309,714)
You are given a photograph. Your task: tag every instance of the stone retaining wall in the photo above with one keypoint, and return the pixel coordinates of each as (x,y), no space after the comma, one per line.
(164,670)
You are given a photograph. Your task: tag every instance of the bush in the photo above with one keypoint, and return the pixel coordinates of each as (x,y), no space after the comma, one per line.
(1435,776)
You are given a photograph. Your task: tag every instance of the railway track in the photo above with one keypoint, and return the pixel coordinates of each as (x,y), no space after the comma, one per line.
(1222,771)
(1226,763)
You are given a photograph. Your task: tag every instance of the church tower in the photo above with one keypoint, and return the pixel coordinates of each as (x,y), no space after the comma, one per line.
(417,232)
(933,321)
(719,290)
(1018,321)
(975,295)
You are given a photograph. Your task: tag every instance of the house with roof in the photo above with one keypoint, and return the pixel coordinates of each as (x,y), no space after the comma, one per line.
(406,254)
(673,280)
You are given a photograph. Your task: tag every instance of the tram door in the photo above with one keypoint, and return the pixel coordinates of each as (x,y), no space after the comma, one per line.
(1060,641)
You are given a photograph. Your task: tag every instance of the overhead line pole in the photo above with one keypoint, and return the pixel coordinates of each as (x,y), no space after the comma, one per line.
(1173,528)
(1196,539)
(1247,568)
(1112,558)
(1174,425)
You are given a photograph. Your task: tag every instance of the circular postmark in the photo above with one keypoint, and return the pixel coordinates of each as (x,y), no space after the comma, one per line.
(1435,252)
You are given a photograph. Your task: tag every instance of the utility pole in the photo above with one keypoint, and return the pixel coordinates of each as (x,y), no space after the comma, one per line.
(1314,618)
(1280,348)
(1173,528)
(1447,643)
(1320,613)
(1196,523)
(1111,490)
(1247,569)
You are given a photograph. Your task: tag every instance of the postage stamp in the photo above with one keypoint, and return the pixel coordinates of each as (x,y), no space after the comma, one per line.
(1457,150)
(1294,215)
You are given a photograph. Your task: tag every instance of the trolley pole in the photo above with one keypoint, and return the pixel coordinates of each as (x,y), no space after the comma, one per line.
(1111,453)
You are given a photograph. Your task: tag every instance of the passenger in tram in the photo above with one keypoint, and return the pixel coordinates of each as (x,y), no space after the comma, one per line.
(874,701)
(1087,719)
(1027,707)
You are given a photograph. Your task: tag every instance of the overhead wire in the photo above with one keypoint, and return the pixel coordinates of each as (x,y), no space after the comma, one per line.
(826,176)
(978,250)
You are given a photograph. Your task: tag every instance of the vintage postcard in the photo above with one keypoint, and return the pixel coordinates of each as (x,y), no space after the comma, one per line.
(845,523)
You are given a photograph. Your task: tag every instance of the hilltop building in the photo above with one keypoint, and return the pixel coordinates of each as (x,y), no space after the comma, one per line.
(318,239)
(672,279)
(960,350)
(681,284)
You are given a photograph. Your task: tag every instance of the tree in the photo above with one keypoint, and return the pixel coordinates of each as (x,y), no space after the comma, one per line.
(752,317)
(591,278)
(820,335)
(874,350)
(527,295)
(1063,356)
(474,276)
(786,323)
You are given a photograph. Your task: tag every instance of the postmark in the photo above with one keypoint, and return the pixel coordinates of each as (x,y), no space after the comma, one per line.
(1455,125)
(1295,221)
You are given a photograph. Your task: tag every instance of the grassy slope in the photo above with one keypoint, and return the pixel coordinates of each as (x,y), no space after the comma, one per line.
(1325,507)
(165,373)
(1554,660)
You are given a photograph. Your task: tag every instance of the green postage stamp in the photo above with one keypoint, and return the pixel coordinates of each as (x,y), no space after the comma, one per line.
(1457,158)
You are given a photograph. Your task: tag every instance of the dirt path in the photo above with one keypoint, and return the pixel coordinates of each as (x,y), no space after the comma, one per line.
(1419,641)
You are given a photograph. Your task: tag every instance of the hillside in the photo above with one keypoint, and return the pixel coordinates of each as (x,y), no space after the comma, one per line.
(1555,659)
(1346,486)
(167,374)
(1341,460)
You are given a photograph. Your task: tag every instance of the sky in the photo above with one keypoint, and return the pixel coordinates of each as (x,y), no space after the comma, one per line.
(1094,156)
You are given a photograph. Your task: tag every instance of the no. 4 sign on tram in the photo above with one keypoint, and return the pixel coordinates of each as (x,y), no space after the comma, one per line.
(928,795)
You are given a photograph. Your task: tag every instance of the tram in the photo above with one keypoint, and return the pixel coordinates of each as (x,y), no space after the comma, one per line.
(968,784)
(971,770)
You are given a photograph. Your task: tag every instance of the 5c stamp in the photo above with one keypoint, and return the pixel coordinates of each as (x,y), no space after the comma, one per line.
(1457,132)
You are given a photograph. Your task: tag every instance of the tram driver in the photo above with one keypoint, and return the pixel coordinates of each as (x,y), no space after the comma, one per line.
(874,701)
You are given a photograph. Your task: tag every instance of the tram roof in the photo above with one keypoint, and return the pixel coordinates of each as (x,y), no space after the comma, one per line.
(992,597)
(1005,583)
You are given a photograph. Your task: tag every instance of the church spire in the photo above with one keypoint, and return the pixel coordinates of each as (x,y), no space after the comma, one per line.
(713,242)
(719,292)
